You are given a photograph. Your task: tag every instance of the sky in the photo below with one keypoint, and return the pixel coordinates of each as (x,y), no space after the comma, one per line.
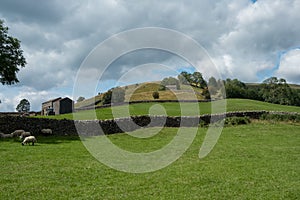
(246,39)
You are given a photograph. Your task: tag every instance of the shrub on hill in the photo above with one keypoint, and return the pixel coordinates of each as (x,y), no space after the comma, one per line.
(155,95)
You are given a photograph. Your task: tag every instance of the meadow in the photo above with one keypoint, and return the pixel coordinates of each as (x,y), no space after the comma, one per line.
(256,161)
(174,109)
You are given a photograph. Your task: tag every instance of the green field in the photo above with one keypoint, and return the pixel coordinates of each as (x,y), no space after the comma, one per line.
(174,109)
(256,161)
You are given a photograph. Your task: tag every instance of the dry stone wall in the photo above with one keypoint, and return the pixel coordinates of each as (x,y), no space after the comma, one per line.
(98,127)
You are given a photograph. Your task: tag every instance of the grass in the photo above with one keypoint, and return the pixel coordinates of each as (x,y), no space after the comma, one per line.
(255,161)
(174,109)
(143,92)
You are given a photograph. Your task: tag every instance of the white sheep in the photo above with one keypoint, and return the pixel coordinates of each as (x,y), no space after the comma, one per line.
(17,133)
(46,131)
(29,139)
(24,135)
(2,135)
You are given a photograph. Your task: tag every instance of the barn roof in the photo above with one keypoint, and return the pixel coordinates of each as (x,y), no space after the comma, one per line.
(52,100)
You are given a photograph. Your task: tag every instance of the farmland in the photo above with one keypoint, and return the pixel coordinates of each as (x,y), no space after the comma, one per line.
(255,161)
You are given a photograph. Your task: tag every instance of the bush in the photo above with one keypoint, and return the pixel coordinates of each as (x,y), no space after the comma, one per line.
(155,95)
(281,117)
(115,95)
(234,121)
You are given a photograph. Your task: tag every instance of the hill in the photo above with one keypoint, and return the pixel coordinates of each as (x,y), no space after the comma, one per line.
(143,92)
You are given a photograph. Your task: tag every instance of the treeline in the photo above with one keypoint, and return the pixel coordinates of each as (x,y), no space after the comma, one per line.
(272,90)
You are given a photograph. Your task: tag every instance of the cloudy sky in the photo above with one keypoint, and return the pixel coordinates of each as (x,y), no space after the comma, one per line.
(246,39)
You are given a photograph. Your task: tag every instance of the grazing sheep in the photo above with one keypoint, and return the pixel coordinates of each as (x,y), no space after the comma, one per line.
(29,139)
(17,133)
(2,135)
(46,131)
(24,135)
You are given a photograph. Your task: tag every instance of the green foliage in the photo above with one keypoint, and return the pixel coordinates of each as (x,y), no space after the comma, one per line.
(23,106)
(184,78)
(155,95)
(170,81)
(234,121)
(11,57)
(281,117)
(277,91)
(272,90)
(206,93)
(212,82)
(235,88)
(115,95)
(80,99)
(194,79)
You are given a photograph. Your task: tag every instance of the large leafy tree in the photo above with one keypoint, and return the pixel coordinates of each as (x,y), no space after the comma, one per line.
(23,106)
(11,57)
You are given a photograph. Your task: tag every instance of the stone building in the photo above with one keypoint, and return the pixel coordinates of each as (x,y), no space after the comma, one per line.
(57,106)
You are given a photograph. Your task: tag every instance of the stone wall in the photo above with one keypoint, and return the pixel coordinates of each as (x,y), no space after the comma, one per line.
(92,127)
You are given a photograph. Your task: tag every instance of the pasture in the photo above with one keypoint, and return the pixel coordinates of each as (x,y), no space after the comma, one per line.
(174,109)
(256,161)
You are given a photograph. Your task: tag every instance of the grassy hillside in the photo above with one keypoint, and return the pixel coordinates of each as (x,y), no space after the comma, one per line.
(174,109)
(255,161)
(143,92)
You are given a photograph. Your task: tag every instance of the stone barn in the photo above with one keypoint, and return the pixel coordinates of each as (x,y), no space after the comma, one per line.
(57,106)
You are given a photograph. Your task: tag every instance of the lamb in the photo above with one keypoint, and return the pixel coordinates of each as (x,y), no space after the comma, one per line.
(29,139)
(17,133)
(24,135)
(46,131)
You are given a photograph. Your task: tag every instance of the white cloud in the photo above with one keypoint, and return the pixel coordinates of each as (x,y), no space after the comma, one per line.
(289,67)
(242,38)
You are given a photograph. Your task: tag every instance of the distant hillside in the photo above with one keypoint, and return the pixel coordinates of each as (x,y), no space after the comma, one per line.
(143,92)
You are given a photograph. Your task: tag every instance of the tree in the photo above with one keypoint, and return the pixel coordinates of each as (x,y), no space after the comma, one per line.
(235,88)
(184,78)
(115,95)
(11,57)
(23,106)
(171,81)
(277,91)
(80,99)
(197,80)
(212,82)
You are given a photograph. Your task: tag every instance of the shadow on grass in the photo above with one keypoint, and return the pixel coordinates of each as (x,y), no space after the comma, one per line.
(56,139)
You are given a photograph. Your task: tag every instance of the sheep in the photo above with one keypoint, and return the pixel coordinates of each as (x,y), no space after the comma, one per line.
(29,139)
(2,135)
(46,131)
(17,133)
(24,135)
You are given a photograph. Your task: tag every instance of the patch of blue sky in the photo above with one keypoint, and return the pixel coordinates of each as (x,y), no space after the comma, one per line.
(270,72)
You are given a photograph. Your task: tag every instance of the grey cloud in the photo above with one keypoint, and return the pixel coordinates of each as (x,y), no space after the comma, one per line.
(250,35)
(33,10)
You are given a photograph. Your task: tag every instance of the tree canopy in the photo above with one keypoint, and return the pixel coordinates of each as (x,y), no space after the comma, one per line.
(11,57)
(115,95)
(23,106)
(194,79)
